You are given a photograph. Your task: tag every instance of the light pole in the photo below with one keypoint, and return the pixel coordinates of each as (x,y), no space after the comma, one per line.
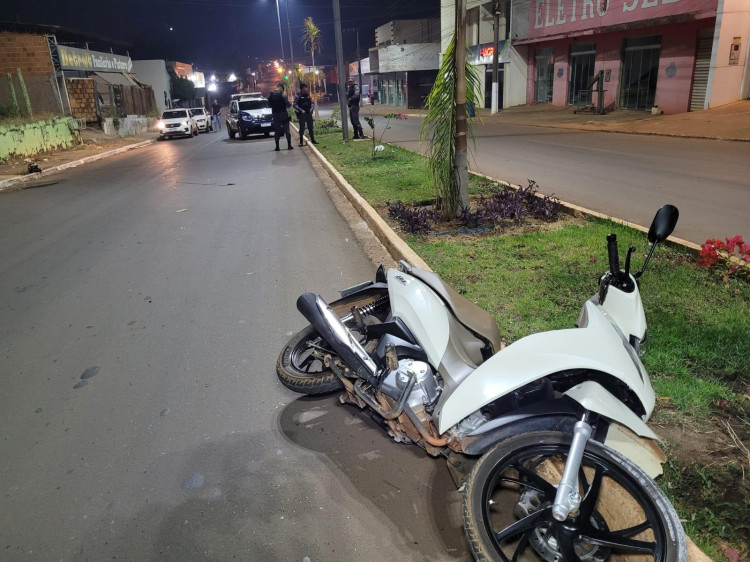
(255,82)
(281,37)
(289,32)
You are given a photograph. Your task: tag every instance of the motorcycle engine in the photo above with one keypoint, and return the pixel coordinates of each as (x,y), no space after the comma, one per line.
(426,389)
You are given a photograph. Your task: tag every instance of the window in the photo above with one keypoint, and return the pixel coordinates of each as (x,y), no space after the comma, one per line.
(544,75)
(582,61)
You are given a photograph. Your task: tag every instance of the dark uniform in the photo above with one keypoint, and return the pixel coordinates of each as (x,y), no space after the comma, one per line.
(352,100)
(303,105)
(279,105)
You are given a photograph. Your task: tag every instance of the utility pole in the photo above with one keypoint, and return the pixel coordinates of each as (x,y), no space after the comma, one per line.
(291,50)
(495,54)
(340,65)
(281,36)
(461,169)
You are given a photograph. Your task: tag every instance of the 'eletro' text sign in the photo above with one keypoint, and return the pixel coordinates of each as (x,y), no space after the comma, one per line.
(556,17)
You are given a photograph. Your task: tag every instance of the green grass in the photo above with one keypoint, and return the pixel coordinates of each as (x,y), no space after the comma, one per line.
(394,174)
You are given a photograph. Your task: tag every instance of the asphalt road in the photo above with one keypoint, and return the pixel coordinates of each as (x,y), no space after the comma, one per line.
(621,175)
(144,301)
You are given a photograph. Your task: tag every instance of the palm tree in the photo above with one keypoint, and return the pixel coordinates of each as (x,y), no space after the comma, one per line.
(313,41)
(440,128)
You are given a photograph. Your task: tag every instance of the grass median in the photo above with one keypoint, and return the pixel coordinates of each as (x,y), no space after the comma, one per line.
(535,277)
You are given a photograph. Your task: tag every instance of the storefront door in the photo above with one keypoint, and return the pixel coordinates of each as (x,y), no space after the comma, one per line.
(582,60)
(640,69)
(488,86)
(544,75)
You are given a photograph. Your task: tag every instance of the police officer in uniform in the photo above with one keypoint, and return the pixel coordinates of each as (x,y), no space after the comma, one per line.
(352,100)
(303,105)
(279,105)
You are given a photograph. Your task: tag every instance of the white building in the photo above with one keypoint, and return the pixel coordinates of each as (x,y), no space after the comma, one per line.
(479,37)
(154,73)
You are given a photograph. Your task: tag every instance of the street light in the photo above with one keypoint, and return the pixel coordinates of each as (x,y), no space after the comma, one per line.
(232,77)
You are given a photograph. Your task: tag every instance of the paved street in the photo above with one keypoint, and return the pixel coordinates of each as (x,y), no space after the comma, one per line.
(145,299)
(624,176)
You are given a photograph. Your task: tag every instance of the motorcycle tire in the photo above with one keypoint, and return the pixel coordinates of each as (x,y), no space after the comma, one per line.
(292,375)
(534,462)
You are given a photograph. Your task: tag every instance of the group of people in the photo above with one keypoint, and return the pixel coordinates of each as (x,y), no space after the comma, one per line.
(303,106)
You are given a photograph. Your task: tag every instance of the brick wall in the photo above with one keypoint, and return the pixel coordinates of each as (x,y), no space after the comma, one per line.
(81,94)
(28,52)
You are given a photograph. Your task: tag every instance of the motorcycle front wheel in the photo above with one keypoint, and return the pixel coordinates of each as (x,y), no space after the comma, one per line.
(508,498)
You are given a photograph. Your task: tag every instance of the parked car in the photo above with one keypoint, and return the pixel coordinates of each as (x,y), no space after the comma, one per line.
(202,119)
(177,122)
(249,115)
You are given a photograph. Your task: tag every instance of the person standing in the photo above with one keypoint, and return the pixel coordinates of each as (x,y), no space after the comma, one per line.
(279,106)
(216,112)
(303,105)
(352,100)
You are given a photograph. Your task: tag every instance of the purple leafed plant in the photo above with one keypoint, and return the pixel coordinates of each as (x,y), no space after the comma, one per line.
(415,220)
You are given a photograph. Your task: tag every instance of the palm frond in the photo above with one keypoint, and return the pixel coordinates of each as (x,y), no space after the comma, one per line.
(439,128)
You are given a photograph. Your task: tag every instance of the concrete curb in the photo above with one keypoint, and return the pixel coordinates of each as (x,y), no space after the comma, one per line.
(572,209)
(4,185)
(399,249)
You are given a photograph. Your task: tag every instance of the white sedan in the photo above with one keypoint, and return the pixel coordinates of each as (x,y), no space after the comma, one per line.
(202,118)
(177,122)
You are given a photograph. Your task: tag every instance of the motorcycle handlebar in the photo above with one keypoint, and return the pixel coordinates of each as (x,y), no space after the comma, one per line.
(614,258)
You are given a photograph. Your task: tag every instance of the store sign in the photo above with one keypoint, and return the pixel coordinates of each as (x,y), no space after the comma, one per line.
(198,79)
(83,59)
(483,54)
(556,17)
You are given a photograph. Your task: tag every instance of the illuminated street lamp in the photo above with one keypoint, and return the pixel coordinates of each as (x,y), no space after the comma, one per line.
(232,77)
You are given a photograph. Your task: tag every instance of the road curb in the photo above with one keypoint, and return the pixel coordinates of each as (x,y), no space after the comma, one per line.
(4,185)
(399,249)
(576,210)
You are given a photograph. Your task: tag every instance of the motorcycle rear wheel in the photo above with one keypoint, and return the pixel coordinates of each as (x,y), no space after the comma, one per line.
(300,371)
(508,497)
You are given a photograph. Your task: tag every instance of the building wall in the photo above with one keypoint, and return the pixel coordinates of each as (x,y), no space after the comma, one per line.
(514,85)
(27,139)
(81,95)
(730,82)
(398,32)
(28,52)
(404,58)
(154,73)
(676,62)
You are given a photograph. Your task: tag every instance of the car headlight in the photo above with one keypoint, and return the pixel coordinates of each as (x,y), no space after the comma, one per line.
(161,125)
(247,118)
(184,124)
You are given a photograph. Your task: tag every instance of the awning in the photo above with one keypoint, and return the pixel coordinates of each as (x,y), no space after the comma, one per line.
(116,78)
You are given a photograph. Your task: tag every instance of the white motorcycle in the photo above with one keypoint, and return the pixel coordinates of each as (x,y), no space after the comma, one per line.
(546,437)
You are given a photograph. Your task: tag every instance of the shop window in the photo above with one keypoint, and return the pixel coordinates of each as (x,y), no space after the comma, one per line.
(640,69)
(544,75)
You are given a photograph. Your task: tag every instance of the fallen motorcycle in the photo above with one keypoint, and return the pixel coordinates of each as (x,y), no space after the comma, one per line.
(546,437)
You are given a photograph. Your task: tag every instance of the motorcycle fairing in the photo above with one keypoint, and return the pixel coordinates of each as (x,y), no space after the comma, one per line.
(597,347)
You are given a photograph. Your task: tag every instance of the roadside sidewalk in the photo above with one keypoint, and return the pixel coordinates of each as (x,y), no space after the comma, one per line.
(95,145)
(729,122)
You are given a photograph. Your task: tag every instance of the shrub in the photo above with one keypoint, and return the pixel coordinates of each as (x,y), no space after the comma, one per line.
(415,220)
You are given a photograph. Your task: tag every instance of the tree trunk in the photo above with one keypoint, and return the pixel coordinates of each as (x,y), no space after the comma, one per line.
(461,162)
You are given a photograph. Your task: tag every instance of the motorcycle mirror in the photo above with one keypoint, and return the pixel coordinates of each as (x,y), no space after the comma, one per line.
(663,224)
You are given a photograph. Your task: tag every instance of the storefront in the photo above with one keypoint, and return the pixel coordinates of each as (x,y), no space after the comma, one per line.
(651,52)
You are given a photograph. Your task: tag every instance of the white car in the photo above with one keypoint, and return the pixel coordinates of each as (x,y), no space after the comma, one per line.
(202,119)
(177,122)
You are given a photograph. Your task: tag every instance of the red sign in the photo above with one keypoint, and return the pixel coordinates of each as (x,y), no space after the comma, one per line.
(487,52)
(558,17)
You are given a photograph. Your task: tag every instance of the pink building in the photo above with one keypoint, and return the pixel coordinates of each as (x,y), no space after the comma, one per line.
(668,53)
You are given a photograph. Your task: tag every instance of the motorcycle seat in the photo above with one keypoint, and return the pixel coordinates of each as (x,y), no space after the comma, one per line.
(472,317)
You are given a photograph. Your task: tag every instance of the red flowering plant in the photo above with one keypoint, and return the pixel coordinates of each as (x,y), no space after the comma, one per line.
(735,252)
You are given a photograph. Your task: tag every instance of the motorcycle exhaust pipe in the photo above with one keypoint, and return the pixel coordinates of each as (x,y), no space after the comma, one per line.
(333,330)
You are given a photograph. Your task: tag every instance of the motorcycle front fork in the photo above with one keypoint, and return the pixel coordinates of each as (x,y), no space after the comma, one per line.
(568,499)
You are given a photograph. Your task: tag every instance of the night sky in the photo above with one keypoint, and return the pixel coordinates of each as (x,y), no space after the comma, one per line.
(217,35)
